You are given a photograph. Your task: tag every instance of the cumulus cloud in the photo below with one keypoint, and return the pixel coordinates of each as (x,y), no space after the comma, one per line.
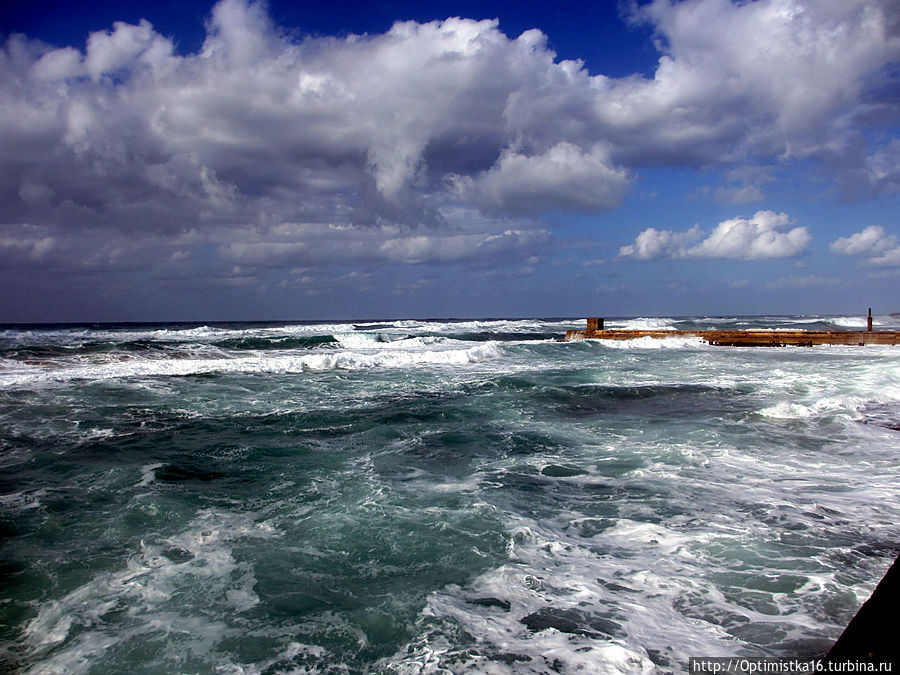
(880,247)
(653,243)
(889,258)
(407,129)
(565,177)
(883,169)
(439,142)
(757,238)
(753,238)
(871,241)
(775,78)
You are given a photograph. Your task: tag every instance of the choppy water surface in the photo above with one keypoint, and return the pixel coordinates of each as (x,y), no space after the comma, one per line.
(428,497)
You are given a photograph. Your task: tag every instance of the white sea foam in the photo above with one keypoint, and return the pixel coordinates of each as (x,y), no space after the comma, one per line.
(657,580)
(203,334)
(143,592)
(851,321)
(848,406)
(148,474)
(559,591)
(199,335)
(257,363)
(388,341)
(289,656)
(23,500)
(788,410)
(653,343)
(643,323)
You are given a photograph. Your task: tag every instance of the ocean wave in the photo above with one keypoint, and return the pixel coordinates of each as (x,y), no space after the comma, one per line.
(255,364)
(850,321)
(255,342)
(387,341)
(105,333)
(848,406)
(64,340)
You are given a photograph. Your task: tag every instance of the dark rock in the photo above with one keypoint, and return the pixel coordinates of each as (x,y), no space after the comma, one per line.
(563,620)
(613,586)
(658,659)
(872,635)
(571,621)
(558,471)
(178,555)
(511,659)
(492,602)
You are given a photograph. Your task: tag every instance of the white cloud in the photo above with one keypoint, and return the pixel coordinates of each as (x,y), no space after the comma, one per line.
(882,169)
(257,128)
(563,177)
(126,47)
(871,241)
(402,132)
(753,238)
(756,238)
(874,242)
(779,78)
(653,243)
(58,64)
(887,259)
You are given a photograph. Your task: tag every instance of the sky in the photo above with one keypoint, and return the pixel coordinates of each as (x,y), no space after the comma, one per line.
(243,160)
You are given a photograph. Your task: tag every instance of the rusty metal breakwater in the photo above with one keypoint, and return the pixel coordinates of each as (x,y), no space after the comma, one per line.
(744,338)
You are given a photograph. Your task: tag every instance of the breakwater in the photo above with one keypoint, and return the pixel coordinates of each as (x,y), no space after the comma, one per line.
(744,338)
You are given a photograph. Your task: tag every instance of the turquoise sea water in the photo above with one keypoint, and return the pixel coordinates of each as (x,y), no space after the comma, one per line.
(436,496)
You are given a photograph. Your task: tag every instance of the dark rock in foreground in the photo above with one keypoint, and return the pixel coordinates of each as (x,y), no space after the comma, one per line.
(874,633)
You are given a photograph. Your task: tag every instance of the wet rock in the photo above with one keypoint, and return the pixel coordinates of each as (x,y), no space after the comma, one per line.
(178,555)
(871,635)
(573,622)
(658,659)
(613,586)
(559,471)
(492,602)
(511,659)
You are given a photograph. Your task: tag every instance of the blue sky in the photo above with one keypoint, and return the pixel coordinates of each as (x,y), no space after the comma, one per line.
(197,161)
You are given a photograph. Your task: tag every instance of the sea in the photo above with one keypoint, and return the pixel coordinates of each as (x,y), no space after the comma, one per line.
(437,496)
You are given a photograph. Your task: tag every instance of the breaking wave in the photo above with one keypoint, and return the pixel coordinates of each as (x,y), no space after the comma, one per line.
(272,364)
